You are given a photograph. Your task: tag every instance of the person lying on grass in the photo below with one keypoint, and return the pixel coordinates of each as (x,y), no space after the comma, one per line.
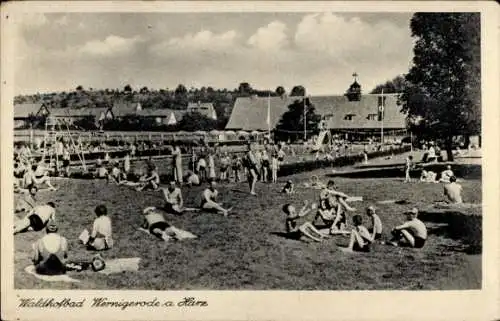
(413,233)
(296,231)
(288,188)
(50,252)
(428,177)
(209,202)
(101,237)
(36,219)
(376,229)
(453,191)
(155,223)
(446,175)
(361,239)
(173,199)
(149,181)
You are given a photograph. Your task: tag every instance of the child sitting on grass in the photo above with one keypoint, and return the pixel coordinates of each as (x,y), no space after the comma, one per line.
(101,237)
(412,233)
(288,188)
(296,231)
(360,237)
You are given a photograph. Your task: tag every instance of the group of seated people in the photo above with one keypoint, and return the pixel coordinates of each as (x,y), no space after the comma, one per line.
(27,175)
(431,177)
(331,210)
(412,233)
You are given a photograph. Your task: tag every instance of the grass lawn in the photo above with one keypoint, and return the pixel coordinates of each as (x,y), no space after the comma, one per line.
(244,250)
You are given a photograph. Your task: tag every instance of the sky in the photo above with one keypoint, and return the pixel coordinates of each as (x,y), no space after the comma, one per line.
(320,51)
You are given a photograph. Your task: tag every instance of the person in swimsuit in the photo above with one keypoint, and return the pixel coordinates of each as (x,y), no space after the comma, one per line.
(50,252)
(209,202)
(173,199)
(412,233)
(360,237)
(295,230)
(36,219)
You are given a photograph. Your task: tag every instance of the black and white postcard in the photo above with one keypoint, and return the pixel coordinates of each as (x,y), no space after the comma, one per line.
(250,160)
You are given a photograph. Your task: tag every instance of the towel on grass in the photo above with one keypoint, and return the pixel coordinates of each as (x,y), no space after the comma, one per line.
(121,265)
(30,269)
(181,234)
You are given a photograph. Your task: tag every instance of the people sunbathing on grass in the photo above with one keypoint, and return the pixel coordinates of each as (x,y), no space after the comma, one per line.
(295,230)
(155,224)
(361,239)
(50,252)
(376,229)
(412,233)
(446,175)
(36,219)
(173,199)
(288,188)
(453,191)
(428,177)
(209,200)
(101,237)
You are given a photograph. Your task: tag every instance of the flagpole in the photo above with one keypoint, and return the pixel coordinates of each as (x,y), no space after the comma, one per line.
(269,116)
(382,122)
(305,115)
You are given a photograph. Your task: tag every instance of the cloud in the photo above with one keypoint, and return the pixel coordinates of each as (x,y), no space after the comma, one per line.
(204,40)
(271,37)
(348,38)
(110,46)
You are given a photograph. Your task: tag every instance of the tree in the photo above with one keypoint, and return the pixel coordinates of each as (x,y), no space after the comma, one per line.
(444,82)
(298,91)
(181,90)
(291,124)
(245,89)
(127,89)
(79,88)
(197,121)
(280,91)
(396,85)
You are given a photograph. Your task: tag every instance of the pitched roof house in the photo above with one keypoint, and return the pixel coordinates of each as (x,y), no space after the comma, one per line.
(24,111)
(206,109)
(250,113)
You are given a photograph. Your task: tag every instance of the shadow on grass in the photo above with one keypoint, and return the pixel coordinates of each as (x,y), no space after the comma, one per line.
(286,235)
(458,226)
